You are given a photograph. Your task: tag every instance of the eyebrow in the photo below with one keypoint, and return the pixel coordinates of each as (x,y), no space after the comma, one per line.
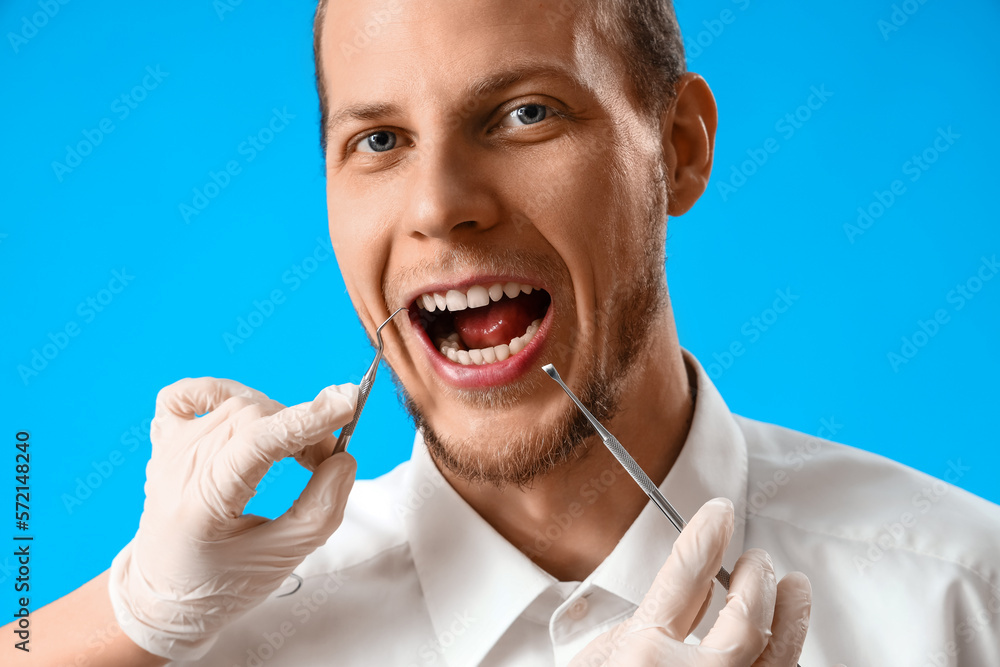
(480,88)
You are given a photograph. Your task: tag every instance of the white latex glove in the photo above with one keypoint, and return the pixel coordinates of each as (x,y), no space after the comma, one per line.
(197,562)
(762,625)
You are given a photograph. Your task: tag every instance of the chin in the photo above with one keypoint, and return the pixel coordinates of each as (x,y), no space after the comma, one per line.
(515,445)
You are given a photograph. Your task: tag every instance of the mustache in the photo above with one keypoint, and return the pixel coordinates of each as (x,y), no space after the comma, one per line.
(463,259)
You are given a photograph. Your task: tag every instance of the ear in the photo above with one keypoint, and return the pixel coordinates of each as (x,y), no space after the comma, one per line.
(688,127)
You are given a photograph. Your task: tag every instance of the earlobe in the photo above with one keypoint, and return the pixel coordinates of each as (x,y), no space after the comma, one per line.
(689,141)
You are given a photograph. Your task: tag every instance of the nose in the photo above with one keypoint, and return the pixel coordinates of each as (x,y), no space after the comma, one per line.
(451,194)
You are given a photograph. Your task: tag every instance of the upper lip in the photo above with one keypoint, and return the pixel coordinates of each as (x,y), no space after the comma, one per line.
(442,287)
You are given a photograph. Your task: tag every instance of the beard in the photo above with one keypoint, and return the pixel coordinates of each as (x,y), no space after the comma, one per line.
(542,448)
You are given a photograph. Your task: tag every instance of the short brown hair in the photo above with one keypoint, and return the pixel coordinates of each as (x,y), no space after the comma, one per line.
(644,33)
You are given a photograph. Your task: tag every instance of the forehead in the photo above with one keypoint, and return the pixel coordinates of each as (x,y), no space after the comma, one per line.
(381,51)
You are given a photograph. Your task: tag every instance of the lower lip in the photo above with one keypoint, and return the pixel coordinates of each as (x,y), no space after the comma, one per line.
(486,375)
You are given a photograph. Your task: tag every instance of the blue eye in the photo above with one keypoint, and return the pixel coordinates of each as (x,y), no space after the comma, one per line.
(377,142)
(528,114)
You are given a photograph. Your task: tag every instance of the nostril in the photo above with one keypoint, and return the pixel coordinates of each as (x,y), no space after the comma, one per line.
(468,224)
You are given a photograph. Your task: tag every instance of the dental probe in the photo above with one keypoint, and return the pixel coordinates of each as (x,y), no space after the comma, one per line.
(365,388)
(633,469)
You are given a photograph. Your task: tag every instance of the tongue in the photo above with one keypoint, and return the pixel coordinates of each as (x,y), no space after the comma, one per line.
(495,324)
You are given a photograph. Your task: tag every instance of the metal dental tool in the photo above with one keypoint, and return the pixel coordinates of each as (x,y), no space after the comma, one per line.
(365,388)
(633,469)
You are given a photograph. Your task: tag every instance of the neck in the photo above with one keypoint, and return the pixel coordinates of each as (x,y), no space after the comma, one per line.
(571,519)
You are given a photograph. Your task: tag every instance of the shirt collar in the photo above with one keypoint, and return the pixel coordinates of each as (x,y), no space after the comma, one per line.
(713,463)
(476,583)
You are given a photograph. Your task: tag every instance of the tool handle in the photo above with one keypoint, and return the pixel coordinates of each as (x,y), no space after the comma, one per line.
(643,480)
(633,469)
(348,430)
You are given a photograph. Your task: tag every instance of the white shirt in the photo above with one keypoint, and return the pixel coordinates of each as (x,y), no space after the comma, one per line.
(905,569)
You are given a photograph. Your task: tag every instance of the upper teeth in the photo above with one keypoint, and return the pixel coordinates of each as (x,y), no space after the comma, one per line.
(476,296)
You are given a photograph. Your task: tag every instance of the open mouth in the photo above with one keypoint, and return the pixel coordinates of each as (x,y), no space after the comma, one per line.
(482,324)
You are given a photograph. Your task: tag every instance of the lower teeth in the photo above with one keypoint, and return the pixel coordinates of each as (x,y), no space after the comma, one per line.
(450,348)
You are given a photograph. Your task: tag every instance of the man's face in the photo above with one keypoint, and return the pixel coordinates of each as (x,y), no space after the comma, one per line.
(448,187)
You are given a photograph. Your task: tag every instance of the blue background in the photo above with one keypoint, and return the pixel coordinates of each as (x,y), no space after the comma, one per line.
(225,73)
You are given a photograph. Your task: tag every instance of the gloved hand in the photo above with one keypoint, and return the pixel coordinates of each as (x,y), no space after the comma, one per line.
(762,625)
(197,562)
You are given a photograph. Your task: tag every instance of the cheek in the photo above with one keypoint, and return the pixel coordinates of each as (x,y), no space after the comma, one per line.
(349,213)
(359,243)
(583,216)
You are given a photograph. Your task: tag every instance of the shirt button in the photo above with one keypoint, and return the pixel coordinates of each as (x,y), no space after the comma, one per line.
(578,609)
